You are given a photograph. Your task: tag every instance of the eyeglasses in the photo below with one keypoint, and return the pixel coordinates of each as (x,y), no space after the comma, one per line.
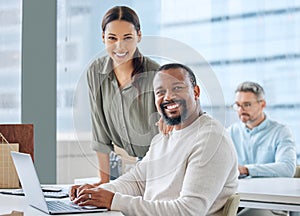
(244,106)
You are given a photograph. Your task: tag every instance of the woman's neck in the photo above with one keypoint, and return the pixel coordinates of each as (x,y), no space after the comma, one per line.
(123,73)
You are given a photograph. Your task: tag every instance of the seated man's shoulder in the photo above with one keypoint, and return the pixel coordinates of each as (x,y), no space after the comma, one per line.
(211,125)
(211,133)
(278,126)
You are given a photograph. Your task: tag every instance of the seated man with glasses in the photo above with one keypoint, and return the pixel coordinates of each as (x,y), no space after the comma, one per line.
(265,148)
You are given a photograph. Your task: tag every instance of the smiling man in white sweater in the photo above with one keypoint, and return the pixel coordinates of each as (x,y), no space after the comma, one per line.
(192,171)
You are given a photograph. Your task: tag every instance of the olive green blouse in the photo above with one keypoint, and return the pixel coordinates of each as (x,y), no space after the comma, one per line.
(125,117)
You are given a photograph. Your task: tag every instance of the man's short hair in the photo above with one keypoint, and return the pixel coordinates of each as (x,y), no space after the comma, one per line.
(184,67)
(253,87)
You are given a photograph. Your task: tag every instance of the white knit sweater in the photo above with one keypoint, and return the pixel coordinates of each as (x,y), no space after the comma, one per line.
(190,172)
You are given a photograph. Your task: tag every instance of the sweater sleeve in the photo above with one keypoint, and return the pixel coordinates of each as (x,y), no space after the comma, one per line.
(131,183)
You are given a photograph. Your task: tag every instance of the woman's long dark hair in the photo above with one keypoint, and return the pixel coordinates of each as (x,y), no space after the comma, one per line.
(126,14)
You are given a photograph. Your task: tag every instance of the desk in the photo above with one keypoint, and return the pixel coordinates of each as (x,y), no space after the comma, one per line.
(270,193)
(18,203)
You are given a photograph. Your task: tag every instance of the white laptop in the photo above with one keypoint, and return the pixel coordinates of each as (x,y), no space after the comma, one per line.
(33,191)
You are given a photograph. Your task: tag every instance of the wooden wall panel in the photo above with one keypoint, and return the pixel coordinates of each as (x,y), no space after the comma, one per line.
(20,133)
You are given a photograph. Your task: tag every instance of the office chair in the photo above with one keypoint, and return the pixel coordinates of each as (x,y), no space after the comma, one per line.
(231,206)
(297,173)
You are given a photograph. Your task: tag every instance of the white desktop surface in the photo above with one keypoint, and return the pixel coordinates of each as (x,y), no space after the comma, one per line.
(8,203)
(270,193)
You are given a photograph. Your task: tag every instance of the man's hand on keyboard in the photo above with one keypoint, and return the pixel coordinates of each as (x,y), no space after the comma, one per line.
(98,197)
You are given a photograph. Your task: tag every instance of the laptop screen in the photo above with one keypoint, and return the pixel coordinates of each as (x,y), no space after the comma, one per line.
(33,191)
(29,180)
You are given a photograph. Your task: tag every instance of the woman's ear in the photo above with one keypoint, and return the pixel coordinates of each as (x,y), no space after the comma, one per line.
(103,37)
(139,36)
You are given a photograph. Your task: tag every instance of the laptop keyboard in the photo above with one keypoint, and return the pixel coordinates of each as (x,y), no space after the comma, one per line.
(55,194)
(55,206)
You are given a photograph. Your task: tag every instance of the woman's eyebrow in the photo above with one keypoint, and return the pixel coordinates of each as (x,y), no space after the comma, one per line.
(128,34)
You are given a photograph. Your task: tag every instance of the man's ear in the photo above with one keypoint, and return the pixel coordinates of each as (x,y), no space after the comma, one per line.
(263,103)
(197,92)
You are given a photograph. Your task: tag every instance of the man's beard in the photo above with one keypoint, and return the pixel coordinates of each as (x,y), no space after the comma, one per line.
(175,120)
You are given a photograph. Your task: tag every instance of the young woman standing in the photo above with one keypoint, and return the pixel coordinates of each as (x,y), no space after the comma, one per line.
(120,90)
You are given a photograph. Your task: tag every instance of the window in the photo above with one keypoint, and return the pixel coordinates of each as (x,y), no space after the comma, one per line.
(10,61)
(255,40)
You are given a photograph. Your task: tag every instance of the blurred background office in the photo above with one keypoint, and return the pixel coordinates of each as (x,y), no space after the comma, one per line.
(256,40)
